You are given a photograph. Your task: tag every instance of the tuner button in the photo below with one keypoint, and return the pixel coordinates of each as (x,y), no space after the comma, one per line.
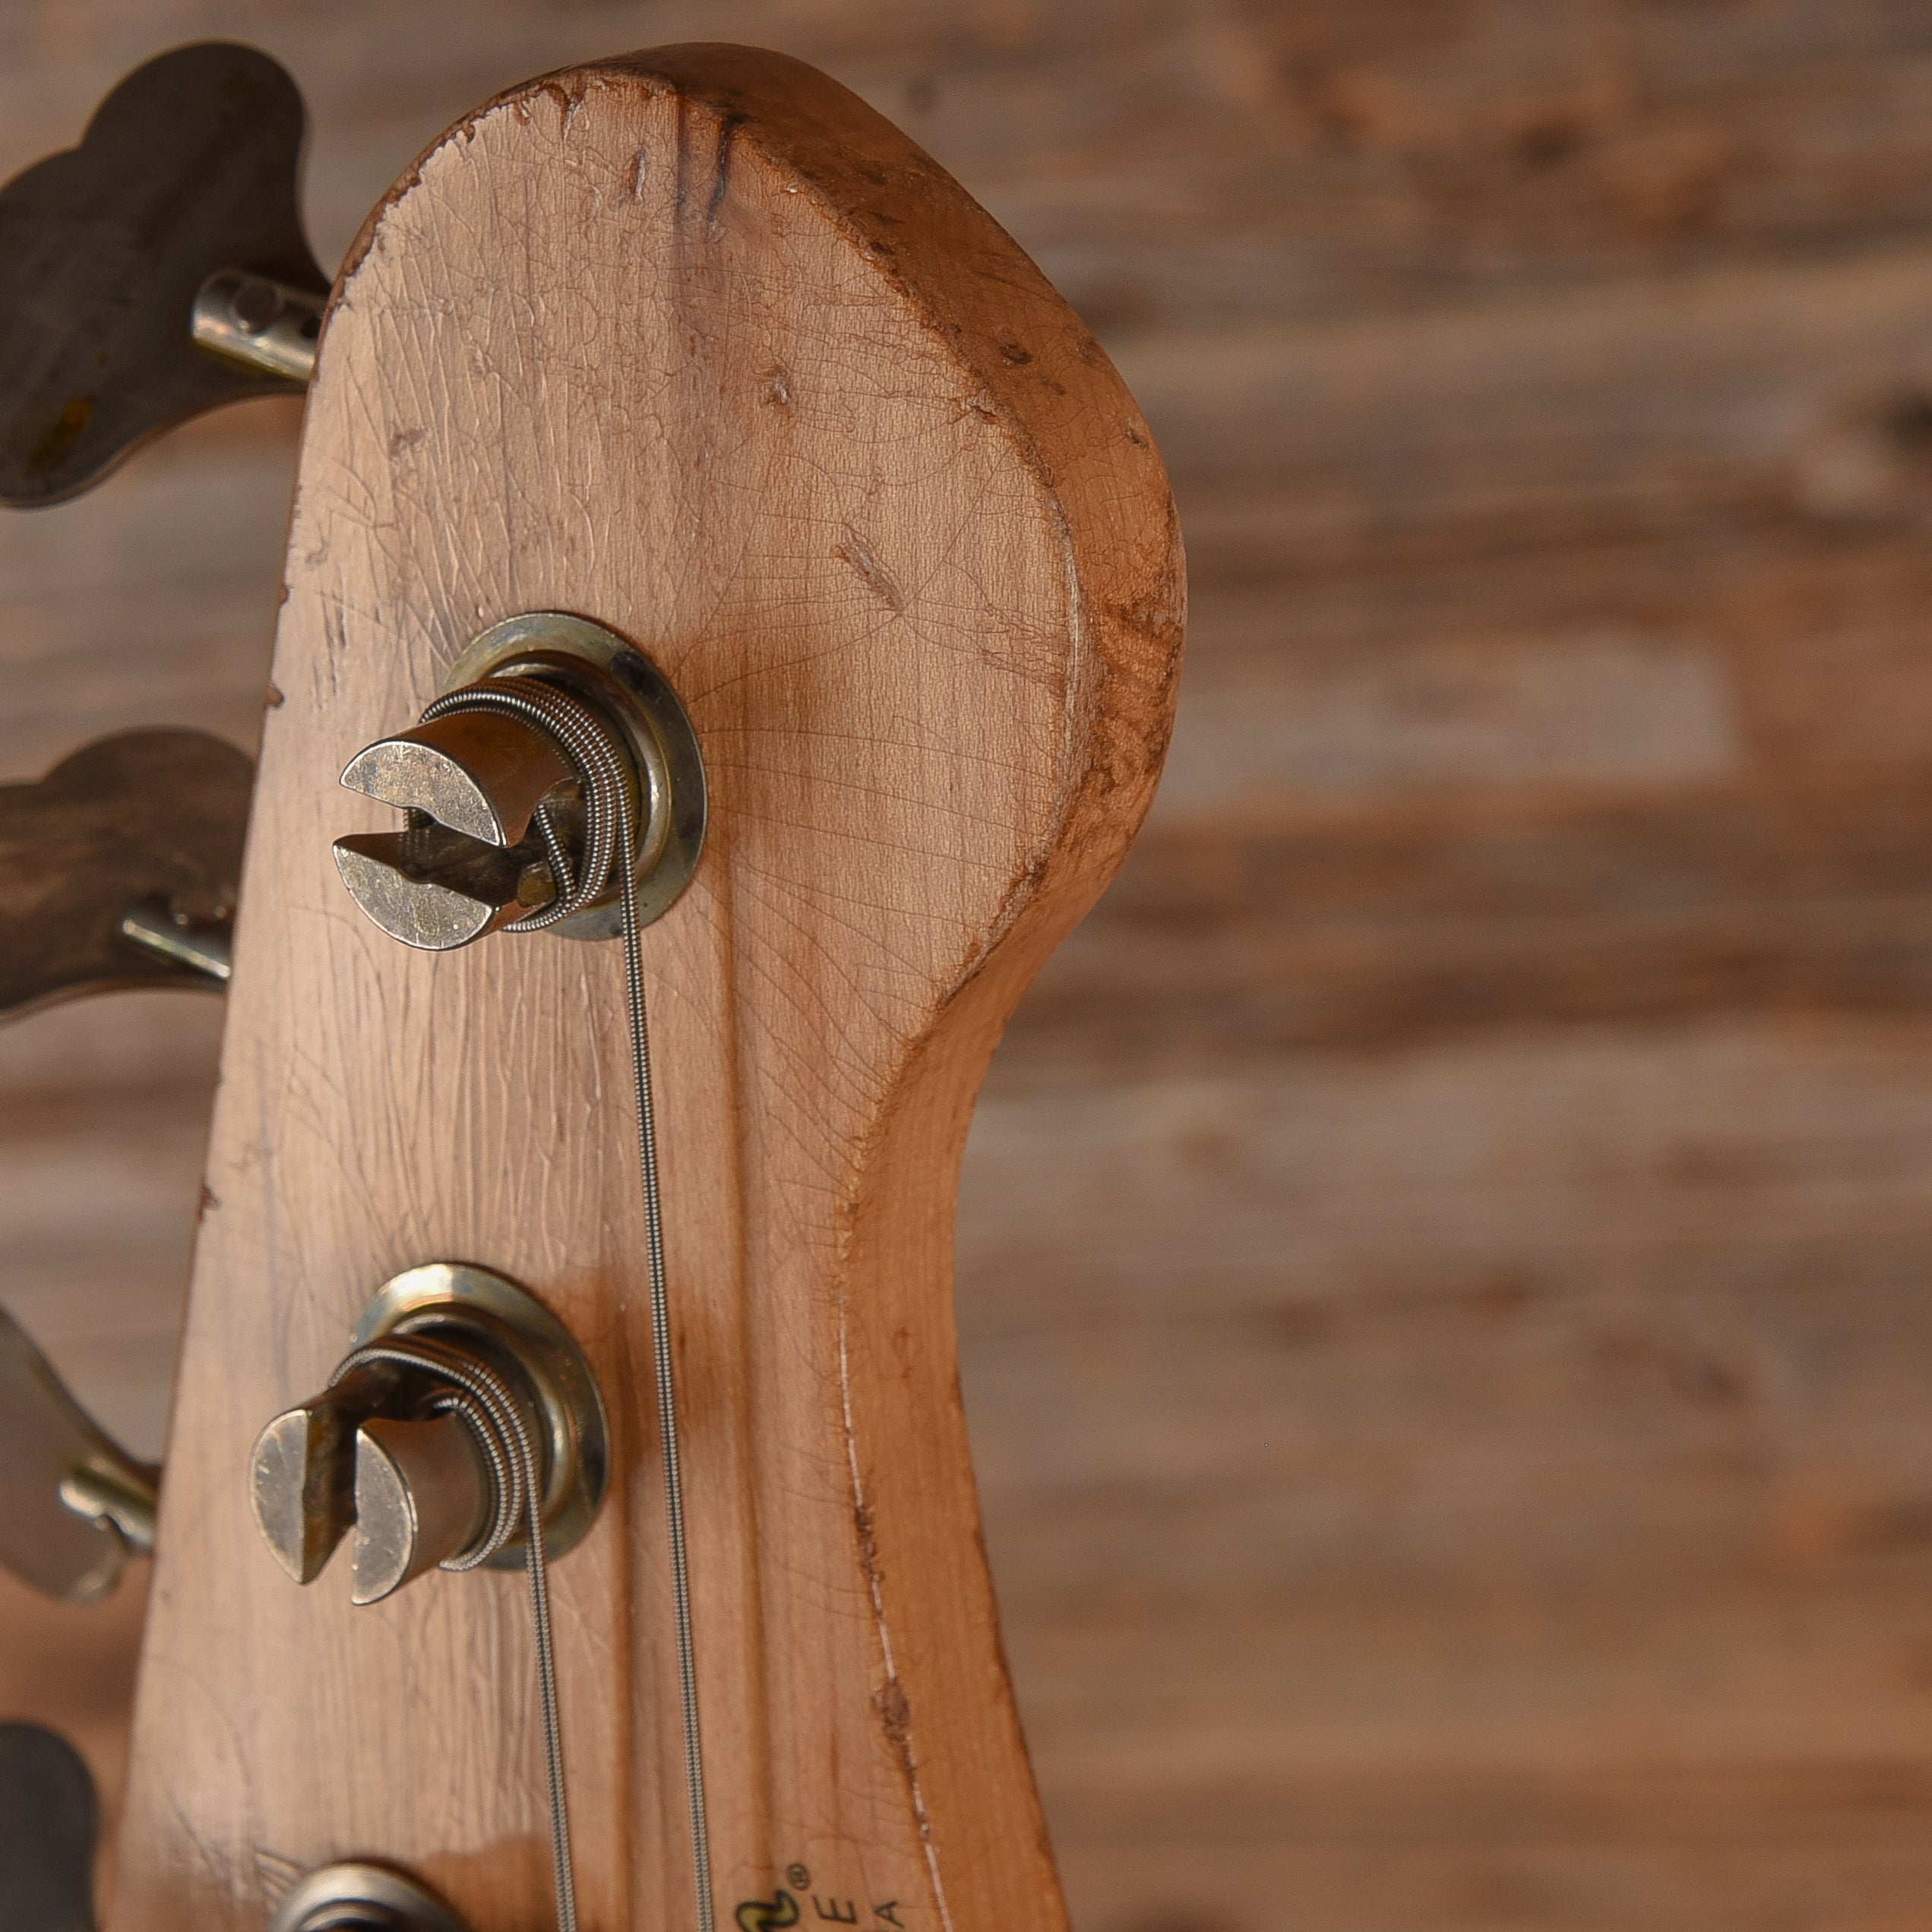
(422,1496)
(126,260)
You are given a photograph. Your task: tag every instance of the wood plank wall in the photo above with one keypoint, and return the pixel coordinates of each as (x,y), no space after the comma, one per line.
(1448,1249)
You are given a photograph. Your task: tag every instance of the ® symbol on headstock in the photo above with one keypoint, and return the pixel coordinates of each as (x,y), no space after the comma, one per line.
(173,224)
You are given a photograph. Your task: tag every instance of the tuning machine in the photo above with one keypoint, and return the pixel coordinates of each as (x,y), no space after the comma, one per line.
(74,1505)
(500,782)
(119,869)
(458,1388)
(158,270)
(359,1897)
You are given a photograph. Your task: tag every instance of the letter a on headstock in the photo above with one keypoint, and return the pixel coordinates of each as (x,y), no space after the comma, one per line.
(695,346)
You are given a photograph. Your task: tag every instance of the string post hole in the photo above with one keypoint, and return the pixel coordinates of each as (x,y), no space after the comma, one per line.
(555,774)
(460,1399)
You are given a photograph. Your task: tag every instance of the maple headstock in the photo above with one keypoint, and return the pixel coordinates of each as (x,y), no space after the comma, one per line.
(695,346)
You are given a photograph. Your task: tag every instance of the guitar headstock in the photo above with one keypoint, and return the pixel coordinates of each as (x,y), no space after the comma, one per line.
(682,401)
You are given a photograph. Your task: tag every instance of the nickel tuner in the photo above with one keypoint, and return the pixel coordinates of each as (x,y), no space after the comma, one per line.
(555,777)
(462,1417)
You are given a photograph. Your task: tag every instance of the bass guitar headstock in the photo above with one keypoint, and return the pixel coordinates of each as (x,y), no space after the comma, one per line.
(731,620)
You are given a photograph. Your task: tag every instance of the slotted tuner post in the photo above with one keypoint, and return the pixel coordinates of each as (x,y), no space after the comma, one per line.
(501,813)
(389,1451)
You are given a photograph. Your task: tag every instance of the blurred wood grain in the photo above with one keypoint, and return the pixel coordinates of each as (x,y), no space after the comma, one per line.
(1444,1246)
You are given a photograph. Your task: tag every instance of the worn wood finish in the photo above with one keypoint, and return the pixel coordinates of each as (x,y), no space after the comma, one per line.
(1450,1444)
(697,344)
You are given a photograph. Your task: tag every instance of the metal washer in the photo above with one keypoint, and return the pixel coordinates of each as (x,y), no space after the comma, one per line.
(358,1897)
(666,747)
(447,1297)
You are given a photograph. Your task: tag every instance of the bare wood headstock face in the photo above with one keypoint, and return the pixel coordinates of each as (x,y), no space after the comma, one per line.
(694,345)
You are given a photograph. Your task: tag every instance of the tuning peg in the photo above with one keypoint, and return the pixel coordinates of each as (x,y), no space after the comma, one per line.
(74,1505)
(355,1897)
(497,820)
(158,270)
(395,1455)
(416,1493)
(120,868)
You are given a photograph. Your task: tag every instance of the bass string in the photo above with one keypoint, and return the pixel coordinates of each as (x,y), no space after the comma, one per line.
(588,742)
(664,1368)
(562,1867)
(482,1401)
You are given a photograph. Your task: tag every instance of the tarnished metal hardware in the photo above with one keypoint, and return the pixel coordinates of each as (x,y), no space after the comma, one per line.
(467,860)
(203,947)
(375,1453)
(263,326)
(415,1491)
(74,1505)
(358,1897)
(49,1815)
(422,1496)
(120,868)
(187,170)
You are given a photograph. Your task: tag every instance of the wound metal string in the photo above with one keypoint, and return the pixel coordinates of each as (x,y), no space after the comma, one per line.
(603,767)
(483,1401)
(667,1393)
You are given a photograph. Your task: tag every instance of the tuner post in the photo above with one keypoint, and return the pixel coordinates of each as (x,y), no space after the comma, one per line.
(556,776)
(460,1396)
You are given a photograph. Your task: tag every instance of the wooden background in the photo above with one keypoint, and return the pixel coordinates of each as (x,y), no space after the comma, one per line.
(1445,1249)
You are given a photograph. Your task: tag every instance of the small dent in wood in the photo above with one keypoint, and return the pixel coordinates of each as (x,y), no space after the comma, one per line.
(895,1715)
(877,579)
(727,138)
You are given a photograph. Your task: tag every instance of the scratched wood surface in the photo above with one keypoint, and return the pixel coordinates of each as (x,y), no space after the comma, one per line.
(700,345)
(1443,1250)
